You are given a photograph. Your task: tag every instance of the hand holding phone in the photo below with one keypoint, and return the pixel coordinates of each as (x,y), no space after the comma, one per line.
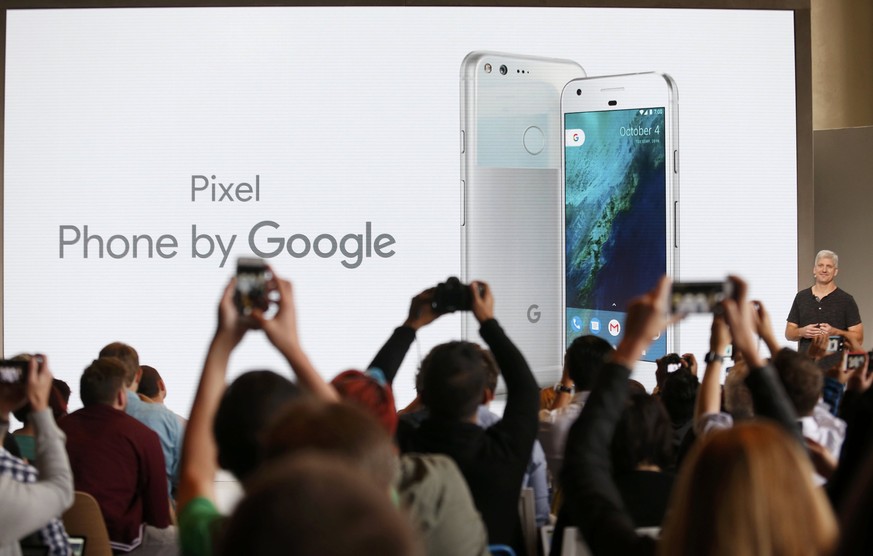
(39,382)
(858,378)
(856,360)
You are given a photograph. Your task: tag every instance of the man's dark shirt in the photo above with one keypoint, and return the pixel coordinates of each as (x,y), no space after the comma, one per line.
(119,461)
(837,309)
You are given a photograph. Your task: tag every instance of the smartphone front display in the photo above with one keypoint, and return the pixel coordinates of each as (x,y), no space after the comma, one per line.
(615,202)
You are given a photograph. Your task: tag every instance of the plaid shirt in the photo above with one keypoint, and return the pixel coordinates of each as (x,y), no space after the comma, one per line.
(52,535)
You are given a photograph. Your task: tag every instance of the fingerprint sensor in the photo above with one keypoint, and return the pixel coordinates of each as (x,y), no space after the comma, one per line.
(534,140)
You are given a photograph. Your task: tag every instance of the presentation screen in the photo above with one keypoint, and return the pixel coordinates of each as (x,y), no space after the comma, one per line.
(147,149)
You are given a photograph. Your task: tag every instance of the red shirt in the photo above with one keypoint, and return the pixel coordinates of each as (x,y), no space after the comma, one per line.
(119,461)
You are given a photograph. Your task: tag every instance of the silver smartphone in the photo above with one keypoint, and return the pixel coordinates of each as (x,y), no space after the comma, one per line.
(511,192)
(620,200)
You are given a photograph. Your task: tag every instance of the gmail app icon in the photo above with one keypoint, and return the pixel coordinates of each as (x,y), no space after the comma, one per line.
(614,327)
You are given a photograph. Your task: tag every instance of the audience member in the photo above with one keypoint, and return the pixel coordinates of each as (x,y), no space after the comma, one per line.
(678,395)
(824,309)
(451,384)
(226,424)
(857,450)
(536,475)
(118,460)
(153,389)
(428,487)
(642,453)
(803,381)
(745,490)
(25,437)
(34,498)
(582,361)
(316,506)
(155,416)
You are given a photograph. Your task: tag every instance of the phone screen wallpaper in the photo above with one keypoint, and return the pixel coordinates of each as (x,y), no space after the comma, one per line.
(615,220)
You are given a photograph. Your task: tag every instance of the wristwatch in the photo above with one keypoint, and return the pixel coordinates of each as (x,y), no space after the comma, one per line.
(713,356)
(561,388)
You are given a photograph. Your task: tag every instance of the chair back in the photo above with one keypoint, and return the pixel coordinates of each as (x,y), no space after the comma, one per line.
(84,519)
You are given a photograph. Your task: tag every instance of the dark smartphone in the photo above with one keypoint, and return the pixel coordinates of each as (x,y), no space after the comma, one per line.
(835,344)
(252,280)
(698,297)
(869,358)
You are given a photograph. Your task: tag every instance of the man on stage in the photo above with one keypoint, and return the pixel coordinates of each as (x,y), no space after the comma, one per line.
(824,309)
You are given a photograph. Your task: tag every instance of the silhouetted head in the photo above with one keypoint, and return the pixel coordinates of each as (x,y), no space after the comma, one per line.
(248,406)
(584,359)
(452,380)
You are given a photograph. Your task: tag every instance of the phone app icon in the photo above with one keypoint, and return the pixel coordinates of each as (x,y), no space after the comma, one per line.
(574,137)
(614,327)
(576,323)
(595,325)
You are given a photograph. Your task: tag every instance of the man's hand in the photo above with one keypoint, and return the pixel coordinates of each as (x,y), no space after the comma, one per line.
(421,311)
(690,361)
(818,348)
(231,325)
(39,383)
(813,330)
(660,371)
(740,316)
(764,327)
(646,318)
(483,303)
(281,330)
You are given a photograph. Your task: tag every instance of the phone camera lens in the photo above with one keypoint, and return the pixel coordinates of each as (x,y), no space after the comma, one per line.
(579,92)
(503,70)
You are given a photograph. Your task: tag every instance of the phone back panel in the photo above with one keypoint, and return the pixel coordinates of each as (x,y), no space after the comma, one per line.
(511,233)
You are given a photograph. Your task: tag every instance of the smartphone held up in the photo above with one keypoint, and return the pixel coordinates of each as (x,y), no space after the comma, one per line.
(255,286)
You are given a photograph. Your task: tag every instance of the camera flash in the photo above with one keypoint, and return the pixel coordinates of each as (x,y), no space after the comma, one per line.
(487,68)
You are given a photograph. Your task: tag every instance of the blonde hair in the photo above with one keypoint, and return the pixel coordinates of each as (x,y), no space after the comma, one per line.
(748,490)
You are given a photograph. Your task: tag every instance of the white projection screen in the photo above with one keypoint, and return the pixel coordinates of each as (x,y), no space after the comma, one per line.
(344,123)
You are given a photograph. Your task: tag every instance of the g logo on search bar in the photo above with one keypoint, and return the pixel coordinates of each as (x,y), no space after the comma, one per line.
(574,137)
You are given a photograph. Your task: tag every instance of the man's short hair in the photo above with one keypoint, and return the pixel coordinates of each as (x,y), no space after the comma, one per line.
(315,504)
(101,381)
(127,355)
(801,378)
(452,379)
(148,382)
(340,430)
(584,359)
(247,408)
(828,254)
(679,394)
